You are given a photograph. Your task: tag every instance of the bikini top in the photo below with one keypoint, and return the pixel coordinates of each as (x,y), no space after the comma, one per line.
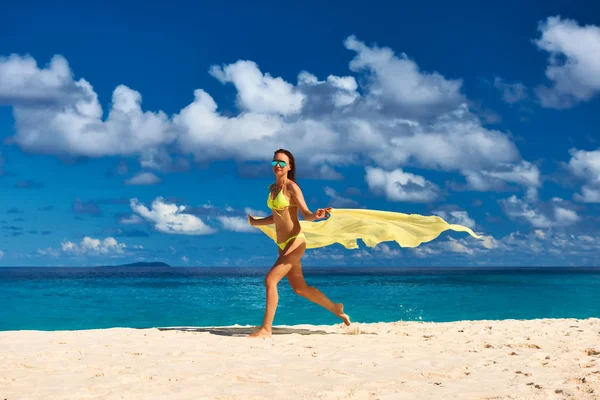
(280,202)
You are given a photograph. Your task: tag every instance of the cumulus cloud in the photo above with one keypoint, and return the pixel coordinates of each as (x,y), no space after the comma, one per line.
(236,224)
(48,252)
(255,213)
(131,219)
(399,80)
(398,185)
(573,63)
(585,165)
(523,173)
(170,218)
(557,215)
(143,178)
(588,195)
(402,116)
(258,92)
(564,216)
(23,83)
(548,247)
(456,217)
(458,247)
(91,246)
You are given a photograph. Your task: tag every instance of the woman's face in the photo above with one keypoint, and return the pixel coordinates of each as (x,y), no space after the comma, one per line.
(281,164)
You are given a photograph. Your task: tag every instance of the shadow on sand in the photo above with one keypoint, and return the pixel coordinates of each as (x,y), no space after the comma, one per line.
(245,331)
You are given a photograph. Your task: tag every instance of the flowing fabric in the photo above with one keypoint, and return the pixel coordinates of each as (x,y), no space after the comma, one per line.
(345,226)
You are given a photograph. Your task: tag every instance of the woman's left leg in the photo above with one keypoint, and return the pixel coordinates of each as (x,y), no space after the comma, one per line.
(296,279)
(288,256)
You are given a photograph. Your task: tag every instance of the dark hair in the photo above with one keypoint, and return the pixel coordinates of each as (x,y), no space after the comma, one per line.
(292,171)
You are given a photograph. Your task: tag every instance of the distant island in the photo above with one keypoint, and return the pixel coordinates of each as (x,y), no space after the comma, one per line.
(140,264)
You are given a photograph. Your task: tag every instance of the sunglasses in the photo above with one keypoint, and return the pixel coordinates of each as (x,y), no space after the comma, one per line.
(282,164)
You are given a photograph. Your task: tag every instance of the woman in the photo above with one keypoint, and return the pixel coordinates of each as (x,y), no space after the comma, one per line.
(286,199)
(344,227)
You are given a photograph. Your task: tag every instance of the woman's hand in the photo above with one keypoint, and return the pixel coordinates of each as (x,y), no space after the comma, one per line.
(251,220)
(321,213)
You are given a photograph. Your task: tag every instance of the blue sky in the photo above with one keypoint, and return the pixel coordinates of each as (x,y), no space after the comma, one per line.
(139,131)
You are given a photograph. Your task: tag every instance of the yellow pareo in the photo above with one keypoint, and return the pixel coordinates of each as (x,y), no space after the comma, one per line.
(345,226)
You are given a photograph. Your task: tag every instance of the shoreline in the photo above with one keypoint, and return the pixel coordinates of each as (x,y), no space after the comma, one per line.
(546,358)
(353,325)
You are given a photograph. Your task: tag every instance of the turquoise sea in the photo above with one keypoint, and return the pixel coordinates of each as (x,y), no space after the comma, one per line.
(88,298)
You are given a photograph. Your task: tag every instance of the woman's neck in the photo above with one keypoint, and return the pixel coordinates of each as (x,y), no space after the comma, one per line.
(280,180)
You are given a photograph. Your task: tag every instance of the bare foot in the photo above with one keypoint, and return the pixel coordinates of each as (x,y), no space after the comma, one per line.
(339,311)
(261,333)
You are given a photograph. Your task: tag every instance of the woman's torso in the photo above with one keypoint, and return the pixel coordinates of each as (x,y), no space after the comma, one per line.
(285,212)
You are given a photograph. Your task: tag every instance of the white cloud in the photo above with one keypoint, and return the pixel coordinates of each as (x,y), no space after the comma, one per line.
(511,92)
(458,247)
(132,219)
(384,250)
(560,246)
(489,242)
(564,216)
(143,178)
(455,141)
(55,114)
(23,83)
(255,213)
(170,218)
(588,195)
(456,217)
(518,209)
(236,224)
(398,185)
(573,64)
(48,252)
(402,117)
(548,247)
(586,165)
(399,80)
(258,92)
(1,254)
(89,246)
(523,173)
(185,259)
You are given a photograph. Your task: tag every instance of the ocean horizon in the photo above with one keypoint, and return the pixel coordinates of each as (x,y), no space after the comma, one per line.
(74,298)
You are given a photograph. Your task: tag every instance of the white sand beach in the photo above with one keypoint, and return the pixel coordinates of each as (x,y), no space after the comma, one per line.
(511,359)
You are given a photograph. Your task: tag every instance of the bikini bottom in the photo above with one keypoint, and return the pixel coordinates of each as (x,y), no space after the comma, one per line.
(283,244)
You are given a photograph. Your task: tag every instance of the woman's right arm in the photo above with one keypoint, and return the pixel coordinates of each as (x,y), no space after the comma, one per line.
(261,221)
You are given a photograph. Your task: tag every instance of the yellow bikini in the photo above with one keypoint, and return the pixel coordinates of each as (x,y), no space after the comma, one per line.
(280,203)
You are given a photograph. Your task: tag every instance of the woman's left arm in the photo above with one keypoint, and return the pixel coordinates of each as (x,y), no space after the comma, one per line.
(296,193)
